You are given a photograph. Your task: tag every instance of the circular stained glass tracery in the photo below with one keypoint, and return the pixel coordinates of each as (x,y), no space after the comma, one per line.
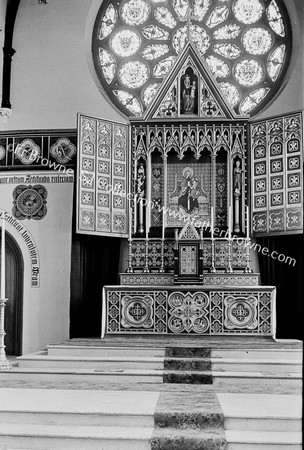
(245,44)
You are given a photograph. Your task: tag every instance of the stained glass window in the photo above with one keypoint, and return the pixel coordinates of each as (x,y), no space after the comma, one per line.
(218,67)
(248,72)
(275,61)
(125,43)
(230,31)
(257,41)
(155,51)
(230,51)
(245,44)
(133,74)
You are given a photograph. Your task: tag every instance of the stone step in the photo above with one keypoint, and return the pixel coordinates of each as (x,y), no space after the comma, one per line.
(261,412)
(78,407)
(46,437)
(191,364)
(264,440)
(261,379)
(263,424)
(42,360)
(268,354)
(94,376)
(253,365)
(96,351)
(188,439)
(187,377)
(188,352)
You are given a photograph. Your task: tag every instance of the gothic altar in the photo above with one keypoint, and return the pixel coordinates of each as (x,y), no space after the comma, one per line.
(175,183)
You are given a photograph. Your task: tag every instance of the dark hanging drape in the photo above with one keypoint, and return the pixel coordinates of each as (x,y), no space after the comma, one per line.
(95,263)
(288,279)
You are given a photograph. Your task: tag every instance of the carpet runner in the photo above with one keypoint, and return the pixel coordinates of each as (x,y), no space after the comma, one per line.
(187,365)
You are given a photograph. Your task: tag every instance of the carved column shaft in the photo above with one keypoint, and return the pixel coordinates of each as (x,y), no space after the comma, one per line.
(4,363)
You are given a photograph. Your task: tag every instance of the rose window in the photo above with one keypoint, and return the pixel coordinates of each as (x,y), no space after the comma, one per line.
(245,44)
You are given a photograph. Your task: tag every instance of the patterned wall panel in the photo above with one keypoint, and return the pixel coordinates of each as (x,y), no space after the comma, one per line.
(102,182)
(37,150)
(157,186)
(154,254)
(277,175)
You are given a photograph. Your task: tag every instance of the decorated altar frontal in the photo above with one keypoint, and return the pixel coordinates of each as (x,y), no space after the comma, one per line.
(189,309)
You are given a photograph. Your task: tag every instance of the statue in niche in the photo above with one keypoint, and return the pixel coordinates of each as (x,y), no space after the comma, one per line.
(140,189)
(141,176)
(237,178)
(189,94)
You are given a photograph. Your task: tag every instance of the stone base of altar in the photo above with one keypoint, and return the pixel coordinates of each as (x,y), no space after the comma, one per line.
(189,309)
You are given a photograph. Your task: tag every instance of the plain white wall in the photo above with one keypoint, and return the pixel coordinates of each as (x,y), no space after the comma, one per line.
(45,308)
(53,76)
(51,80)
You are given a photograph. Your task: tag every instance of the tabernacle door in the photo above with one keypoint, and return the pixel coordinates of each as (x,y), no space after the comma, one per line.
(102,177)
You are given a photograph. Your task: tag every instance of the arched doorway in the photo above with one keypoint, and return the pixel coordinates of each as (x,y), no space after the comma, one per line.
(14,293)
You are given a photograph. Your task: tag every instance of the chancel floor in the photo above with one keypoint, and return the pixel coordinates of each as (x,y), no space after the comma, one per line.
(213,392)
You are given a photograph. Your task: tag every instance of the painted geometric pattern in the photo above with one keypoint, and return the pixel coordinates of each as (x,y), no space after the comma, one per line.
(29,202)
(157,185)
(221,194)
(55,151)
(209,279)
(277,175)
(154,254)
(102,205)
(190,312)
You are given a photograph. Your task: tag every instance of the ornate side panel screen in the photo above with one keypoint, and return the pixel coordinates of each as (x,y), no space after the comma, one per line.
(277,175)
(102,181)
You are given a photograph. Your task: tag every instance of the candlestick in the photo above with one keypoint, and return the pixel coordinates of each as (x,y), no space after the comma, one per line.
(130,223)
(163,224)
(230,225)
(2,292)
(248,223)
(212,224)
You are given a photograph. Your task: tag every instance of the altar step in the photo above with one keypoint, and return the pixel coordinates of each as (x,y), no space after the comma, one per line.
(135,364)
(264,440)
(102,351)
(71,420)
(119,362)
(262,421)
